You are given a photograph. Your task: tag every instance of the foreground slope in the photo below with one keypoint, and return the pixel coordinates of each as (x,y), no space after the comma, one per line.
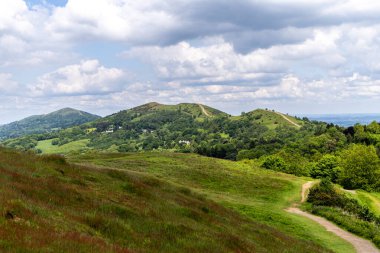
(48,205)
(260,195)
(60,119)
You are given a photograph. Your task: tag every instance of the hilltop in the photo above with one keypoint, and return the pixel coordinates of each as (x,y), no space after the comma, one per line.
(271,118)
(46,123)
(196,110)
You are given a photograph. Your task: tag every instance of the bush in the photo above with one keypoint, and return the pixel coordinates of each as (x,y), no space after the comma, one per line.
(344,211)
(324,194)
(274,162)
(360,168)
(326,167)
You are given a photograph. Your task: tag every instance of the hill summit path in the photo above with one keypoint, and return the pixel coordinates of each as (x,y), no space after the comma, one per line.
(361,245)
(204,111)
(289,120)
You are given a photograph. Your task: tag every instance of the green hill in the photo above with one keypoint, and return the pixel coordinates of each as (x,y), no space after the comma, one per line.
(48,205)
(196,110)
(184,127)
(38,124)
(273,119)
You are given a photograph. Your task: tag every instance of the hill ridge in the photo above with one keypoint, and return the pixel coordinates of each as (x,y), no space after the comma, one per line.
(59,119)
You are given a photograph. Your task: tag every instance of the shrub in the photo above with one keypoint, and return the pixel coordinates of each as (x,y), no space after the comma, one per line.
(359,168)
(324,194)
(274,162)
(326,167)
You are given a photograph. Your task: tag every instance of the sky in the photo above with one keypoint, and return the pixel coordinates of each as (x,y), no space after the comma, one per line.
(103,56)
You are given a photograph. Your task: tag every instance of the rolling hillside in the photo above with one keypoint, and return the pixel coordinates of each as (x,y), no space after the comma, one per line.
(48,205)
(39,124)
(271,119)
(184,127)
(260,195)
(196,110)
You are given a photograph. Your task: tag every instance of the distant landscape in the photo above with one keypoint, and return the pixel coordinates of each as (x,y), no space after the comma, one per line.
(345,120)
(191,126)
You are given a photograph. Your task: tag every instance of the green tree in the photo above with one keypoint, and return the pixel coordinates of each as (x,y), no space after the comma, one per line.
(326,167)
(360,167)
(274,162)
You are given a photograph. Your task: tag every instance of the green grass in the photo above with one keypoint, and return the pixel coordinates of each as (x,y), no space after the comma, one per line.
(370,199)
(48,205)
(270,119)
(47,148)
(258,194)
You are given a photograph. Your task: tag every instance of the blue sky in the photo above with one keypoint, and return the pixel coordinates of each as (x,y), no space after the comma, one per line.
(298,57)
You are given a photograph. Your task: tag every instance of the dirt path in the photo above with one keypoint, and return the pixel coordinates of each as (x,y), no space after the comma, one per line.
(204,111)
(305,190)
(350,191)
(289,120)
(360,244)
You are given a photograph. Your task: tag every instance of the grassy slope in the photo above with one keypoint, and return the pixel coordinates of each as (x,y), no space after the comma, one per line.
(47,148)
(258,194)
(193,109)
(370,199)
(47,205)
(271,119)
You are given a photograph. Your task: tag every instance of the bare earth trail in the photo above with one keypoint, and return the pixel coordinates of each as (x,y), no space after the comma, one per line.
(204,111)
(289,120)
(360,244)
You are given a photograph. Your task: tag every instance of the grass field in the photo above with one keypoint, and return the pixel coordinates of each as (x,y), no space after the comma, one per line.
(258,194)
(271,119)
(48,205)
(47,148)
(370,199)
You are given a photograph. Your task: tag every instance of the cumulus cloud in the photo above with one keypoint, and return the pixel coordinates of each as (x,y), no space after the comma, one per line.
(212,63)
(7,85)
(217,61)
(201,51)
(88,77)
(132,21)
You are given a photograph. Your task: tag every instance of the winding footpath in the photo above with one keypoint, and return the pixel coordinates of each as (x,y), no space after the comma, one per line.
(204,111)
(360,244)
(289,120)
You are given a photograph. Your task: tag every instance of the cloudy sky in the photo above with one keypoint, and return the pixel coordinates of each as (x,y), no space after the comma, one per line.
(102,56)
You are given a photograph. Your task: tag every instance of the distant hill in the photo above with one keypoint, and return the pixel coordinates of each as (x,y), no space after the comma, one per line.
(39,124)
(273,119)
(184,127)
(197,111)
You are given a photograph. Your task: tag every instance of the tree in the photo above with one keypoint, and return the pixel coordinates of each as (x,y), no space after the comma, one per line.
(327,167)
(274,162)
(360,167)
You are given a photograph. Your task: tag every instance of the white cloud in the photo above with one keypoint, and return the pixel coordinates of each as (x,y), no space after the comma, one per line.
(88,77)
(202,51)
(14,17)
(211,63)
(132,21)
(7,84)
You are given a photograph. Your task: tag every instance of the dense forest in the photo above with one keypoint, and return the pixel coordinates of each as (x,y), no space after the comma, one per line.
(349,156)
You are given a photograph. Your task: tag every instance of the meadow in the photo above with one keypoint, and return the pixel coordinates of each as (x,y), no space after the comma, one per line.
(50,205)
(257,194)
